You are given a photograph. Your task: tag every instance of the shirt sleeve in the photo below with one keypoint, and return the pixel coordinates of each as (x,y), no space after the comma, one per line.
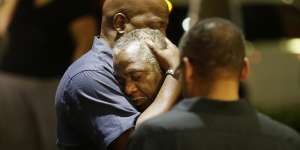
(98,108)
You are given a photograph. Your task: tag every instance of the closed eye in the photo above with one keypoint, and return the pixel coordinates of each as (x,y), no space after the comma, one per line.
(136,77)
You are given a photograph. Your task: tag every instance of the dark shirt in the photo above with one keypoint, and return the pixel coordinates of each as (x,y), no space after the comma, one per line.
(202,124)
(92,111)
(40,42)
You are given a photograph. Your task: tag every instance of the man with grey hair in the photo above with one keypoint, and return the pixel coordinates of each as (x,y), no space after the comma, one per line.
(136,67)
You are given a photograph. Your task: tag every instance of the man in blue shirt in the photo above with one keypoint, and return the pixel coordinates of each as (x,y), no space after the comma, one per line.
(92,111)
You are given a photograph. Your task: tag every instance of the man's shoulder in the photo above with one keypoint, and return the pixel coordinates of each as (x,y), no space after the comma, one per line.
(97,60)
(91,61)
(92,72)
(176,120)
(272,128)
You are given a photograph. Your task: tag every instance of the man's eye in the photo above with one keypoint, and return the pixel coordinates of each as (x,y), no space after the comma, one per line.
(136,77)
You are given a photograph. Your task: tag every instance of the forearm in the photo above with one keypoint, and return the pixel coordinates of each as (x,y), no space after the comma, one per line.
(6,12)
(166,98)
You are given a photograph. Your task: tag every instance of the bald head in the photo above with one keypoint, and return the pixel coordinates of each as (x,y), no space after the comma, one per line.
(123,16)
(134,7)
(215,46)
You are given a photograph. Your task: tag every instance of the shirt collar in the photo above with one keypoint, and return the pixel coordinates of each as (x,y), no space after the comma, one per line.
(100,44)
(202,104)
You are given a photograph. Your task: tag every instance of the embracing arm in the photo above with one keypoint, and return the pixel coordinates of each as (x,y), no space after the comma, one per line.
(164,101)
(167,96)
(170,90)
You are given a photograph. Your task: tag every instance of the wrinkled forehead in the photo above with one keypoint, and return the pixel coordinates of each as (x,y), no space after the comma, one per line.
(136,7)
(156,7)
(130,53)
(151,14)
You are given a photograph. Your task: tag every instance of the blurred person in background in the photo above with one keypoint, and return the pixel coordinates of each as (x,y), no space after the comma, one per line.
(43,38)
(92,110)
(213,116)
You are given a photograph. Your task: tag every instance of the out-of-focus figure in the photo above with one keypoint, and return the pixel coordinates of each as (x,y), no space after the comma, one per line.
(43,38)
(201,9)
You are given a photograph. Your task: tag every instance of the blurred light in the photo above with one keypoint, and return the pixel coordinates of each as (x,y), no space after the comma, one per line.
(186,24)
(170,5)
(293,46)
(289,2)
(255,57)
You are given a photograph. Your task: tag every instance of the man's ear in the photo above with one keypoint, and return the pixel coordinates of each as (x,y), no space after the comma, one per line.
(188,70)
(119,22)
(245,70)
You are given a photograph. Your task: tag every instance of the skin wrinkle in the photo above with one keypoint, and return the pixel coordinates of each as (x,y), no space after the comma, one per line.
(129,44)
(136,17)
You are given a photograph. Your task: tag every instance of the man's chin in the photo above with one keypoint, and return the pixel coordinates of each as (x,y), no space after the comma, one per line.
(142,108)
(141,103)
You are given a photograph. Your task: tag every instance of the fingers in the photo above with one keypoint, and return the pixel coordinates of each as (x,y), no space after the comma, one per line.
(150,44)
(152,47)
(169,43)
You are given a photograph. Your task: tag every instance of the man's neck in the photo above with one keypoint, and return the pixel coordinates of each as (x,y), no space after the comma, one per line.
(107,36)
(221,90)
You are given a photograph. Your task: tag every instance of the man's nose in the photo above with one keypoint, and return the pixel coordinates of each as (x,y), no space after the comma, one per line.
(130,89)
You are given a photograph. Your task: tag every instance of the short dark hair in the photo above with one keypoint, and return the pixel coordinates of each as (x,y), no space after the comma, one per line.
(214,45)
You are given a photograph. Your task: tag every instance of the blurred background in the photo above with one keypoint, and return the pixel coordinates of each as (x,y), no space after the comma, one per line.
(32,33)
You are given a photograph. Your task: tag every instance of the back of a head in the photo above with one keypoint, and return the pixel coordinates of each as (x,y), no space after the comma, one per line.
(130,8)
(215,47)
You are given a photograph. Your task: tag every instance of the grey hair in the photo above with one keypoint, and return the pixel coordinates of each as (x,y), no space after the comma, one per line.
(140,36)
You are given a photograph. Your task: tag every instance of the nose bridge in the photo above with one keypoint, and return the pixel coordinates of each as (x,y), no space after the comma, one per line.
(130,87)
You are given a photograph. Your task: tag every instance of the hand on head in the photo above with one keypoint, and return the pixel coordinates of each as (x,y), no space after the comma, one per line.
(168,58)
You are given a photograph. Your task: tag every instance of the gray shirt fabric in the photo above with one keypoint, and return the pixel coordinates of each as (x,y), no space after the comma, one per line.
(92,111)
(204,124)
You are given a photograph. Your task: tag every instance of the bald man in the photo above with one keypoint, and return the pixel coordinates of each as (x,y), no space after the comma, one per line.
(92,111)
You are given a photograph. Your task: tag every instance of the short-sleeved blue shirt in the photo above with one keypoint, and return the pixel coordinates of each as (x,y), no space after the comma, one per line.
(92,110)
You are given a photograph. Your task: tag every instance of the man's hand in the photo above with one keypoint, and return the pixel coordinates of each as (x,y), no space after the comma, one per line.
(168,58)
